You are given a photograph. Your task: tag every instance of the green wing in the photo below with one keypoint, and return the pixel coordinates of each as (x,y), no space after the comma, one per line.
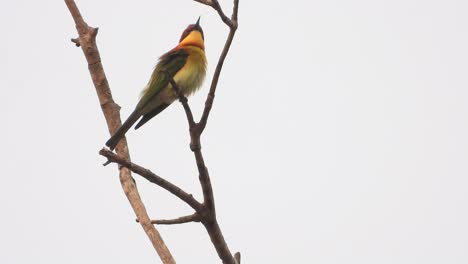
(153,113)
(169,64)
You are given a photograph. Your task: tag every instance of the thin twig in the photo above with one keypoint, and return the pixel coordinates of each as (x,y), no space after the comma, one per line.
(235,11)
(76,41)
(152,177)
(180,220)
(87,41)
(195,135)
(195,146)
(232,23)
(183,101)
(215,4)
(205,182)
(208,217)
(214,82)
(205,2)
(237,257)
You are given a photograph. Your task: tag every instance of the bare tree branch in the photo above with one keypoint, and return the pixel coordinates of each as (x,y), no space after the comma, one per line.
(151,177)
(87,41)
(180,220)
(237,257)
(235,11)
(183,101)
(205,2)
(214,81)
(76,41)
(195,146)
(204,212)
(215,4)
(209,216)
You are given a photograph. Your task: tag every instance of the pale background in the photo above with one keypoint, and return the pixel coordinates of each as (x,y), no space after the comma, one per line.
(339,133)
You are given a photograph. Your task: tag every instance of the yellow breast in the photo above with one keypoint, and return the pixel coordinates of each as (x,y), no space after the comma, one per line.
(191,76)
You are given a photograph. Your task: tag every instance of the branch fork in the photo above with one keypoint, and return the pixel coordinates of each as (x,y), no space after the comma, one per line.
(204,212)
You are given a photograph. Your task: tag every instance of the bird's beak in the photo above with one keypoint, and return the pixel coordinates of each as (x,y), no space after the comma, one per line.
(198,22)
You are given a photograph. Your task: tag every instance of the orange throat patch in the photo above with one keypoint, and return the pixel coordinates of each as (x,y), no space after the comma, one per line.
(193,39)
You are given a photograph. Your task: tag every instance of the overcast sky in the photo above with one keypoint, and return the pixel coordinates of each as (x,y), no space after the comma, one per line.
(338,134)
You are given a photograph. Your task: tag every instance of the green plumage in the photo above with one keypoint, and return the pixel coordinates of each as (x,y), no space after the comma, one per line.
(169,64)
(186,64)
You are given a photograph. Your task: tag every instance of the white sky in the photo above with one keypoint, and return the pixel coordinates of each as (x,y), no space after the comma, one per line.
(338,135)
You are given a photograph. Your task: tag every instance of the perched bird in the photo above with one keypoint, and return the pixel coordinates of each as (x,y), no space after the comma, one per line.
(186,64)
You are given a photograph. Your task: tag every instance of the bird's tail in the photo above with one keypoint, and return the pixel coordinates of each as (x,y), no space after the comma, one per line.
(114,140)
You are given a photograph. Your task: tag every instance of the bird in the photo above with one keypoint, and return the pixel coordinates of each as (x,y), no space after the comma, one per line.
(185,64)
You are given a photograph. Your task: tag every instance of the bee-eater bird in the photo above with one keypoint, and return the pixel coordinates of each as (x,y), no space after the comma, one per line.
(186,64)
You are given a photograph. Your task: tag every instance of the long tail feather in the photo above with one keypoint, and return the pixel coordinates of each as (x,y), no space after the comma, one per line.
(114,140)
(148,116)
